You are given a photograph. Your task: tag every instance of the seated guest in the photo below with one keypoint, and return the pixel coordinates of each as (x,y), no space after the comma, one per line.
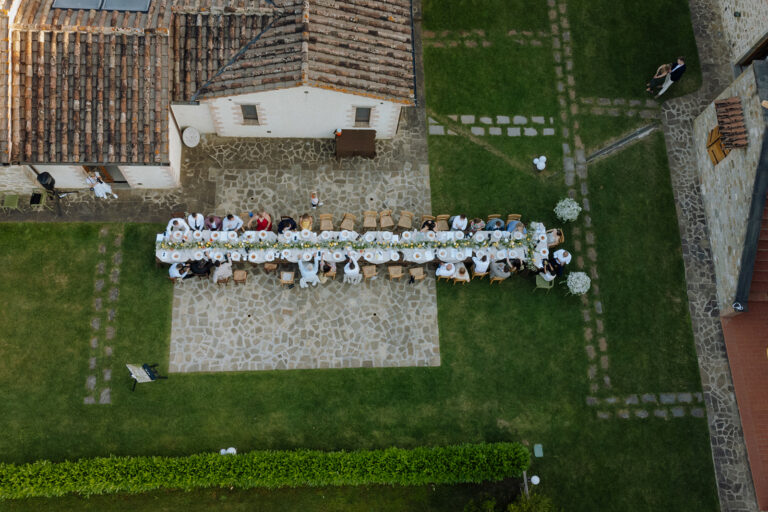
(445,270)
(328,268)
(548,274)
(515,265)
(476,225)
(286,224)
(231,223)
(261,221)
(461,273)
(494,225)
(176,225)
(306,221)
(559,260)
(481,264)
(221,270)
(352,271)
(308,271)
(459,223)
(213,223)
(553,237)
(196,221)
(179,271)
(201,267)
(516,225)
(499,269)
(428,225)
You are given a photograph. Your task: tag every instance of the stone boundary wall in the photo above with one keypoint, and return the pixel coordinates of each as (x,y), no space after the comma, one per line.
(17,179)
(727,187)
(746,31)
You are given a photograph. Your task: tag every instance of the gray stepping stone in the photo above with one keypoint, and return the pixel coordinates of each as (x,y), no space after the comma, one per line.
(114,293)
(667,398)
(467,119)
(118,240)
(111,314)
(110,332)
(635,103)
(580,156)
(684,398)
(102,249)
(502,119)
(568,164)
(514,132)
(598,304)
(108,351)
(697,412)
(604,415)
(104,396)
(603,101)
(623,413)
(698,397)
(551,120)
(590,352)
(101,267)
(436,130)
(538,450)
(641,413)
(678,412)
(530,132)
(477,130)
(98,285)
(660,413)
(592,371)
(494,130)
(611,400)
(548,131)
(453,117)
(538,119)
(606,381)
(114,276)
(451,132)
(591,400)
(92,363)
(90,383)
(104,231)
(431,121)
(107,375)
(632,400)
(97,304)
(519,119)
(486,120)
(94,342)
(566,148)
(89,400)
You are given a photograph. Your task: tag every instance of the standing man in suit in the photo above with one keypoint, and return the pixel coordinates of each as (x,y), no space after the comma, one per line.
(678,68)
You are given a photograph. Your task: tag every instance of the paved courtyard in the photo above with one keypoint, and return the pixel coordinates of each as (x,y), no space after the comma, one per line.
(261,326)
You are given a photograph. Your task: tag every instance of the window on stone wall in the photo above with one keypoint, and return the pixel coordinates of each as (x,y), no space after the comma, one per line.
(363,116)
(250,114)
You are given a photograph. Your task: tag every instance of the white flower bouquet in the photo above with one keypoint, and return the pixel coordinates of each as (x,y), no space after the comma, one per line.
(567,210)
(578,283)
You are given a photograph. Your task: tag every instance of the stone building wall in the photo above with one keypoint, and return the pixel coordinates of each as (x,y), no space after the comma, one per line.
(746,31)
(727,187)
(18,179)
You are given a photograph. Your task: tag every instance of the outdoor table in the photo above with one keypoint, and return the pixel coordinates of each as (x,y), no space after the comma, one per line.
(356,143)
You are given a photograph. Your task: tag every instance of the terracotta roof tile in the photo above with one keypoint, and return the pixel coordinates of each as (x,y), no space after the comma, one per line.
(90,97)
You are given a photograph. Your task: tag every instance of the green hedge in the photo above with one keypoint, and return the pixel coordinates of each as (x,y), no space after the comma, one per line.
(270,469)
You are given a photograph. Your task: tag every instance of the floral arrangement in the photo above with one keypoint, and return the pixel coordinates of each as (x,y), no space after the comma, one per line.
(567,210)
(578,283)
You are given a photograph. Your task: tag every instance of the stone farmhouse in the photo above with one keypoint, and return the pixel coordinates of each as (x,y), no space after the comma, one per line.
(111,85)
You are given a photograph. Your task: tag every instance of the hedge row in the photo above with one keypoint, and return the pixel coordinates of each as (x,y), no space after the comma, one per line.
(269,469)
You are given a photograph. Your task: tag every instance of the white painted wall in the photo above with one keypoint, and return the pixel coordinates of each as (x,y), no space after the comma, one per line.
(18,179)
(149,176)
(198,116)
(301,112)
(66,176)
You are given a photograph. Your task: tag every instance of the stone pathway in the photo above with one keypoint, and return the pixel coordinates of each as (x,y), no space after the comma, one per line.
(732,472)
(510,126)
(106,294)
(648,109)
(476,38)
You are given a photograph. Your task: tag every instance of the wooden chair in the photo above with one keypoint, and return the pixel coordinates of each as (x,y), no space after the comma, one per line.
(443,277)
(179,215)
(270,267)
(417,273)
(240,277)
(555,237)
(175,280)
(462,281)
(286,278)
(493,216)
(406,220)
(331,274)
(369,219)
(224,281)
(311,223)
(513,216)
(395,272)
(385,220)
(369,272)
(543,283)
(425,218)
(479,274)
(326,221)
(348,222)
(497,279)
(442,223)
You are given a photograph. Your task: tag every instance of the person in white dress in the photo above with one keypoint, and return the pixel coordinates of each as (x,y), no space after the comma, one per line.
(352,271)
(196,221)
(461,273)
(100,189)
(177,225)
(308,271)
(459,223)
(231,223)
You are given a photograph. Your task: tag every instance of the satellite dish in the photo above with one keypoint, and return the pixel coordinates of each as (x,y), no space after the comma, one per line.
(191,137)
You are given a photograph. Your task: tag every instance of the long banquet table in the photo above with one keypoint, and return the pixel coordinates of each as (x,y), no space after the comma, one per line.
(376,247)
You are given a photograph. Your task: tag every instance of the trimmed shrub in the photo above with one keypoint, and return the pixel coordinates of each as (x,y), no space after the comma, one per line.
(465,463)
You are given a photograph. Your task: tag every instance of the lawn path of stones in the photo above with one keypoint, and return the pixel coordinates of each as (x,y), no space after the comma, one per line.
(105,296)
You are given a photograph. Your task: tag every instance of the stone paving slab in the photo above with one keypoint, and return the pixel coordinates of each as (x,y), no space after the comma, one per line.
(262,326)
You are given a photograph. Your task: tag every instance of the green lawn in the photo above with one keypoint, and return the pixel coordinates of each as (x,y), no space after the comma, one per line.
(617,46)
(598,132)
(490,15)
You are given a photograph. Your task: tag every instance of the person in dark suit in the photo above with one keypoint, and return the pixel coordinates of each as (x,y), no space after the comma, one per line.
(675,74)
